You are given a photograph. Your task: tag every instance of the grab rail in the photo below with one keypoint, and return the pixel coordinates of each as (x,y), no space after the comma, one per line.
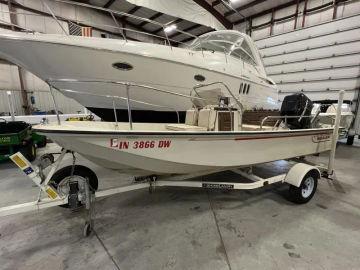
(241,108)
(124,83)
(283,117)
(226,87)
(114,97)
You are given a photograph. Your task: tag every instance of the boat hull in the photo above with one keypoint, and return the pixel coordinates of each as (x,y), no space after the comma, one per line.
(176,70)
(184,152)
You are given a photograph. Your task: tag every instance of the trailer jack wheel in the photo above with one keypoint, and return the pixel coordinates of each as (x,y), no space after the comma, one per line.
(87,229)
(306,190)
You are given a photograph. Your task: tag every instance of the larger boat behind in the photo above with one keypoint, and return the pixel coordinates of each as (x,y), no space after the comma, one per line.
(227,56)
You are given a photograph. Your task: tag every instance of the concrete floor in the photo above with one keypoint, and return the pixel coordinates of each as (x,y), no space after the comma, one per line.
(190,228)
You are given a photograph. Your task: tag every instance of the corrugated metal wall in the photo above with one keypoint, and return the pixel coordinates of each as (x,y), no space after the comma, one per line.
(316,60)
(311,52)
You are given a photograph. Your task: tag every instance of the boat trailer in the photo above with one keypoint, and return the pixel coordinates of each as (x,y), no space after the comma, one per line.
(78,185)
(81,193)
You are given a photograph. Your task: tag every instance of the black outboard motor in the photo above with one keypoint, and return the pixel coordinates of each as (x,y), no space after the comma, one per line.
(297,105)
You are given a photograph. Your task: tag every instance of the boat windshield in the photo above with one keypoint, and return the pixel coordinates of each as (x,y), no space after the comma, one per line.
(233,44)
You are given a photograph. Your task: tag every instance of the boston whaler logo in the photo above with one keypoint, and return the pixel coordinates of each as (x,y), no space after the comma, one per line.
(321,138)
(217,186)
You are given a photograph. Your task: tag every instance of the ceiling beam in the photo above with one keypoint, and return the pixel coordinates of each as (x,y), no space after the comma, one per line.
(124,22)
(109,3)
(133,10)
(153,17)
(43,13)
(243,7)
(215,13)
(155,32)
(186,30)
(216,2)
(267,11)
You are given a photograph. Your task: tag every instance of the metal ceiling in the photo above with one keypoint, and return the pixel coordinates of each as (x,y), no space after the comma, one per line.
(228,12)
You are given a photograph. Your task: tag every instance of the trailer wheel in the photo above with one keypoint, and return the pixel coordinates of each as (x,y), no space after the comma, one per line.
(350,140)
(306,190)
(87,229)
(61,177)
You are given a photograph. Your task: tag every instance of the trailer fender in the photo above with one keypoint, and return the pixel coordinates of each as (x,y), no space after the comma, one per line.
(297,173)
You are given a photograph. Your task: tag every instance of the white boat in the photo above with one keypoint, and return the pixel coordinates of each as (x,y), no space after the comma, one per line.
(179,148)
(227,56)
(213,138)
(328,117)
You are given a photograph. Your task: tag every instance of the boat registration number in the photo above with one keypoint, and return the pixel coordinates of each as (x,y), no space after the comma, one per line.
(116,143)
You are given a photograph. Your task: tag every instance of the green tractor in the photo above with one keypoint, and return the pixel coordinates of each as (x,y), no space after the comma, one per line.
(18,136)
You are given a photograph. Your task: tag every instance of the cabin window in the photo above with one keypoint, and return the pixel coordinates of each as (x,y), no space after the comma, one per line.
(240,53)
(122,66)
(199,78)
(244,88)
(245,46)
(241,86)
(234,44)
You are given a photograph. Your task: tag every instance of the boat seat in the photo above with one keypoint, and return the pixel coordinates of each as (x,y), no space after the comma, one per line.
(184,127)
(207,118)
(191,117)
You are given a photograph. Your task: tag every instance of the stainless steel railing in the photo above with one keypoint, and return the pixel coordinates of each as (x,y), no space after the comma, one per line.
(241,108)
(128,100)
(285,117)
(199,86)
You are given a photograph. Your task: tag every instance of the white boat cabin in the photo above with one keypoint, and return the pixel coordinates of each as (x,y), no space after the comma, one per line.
(232,43)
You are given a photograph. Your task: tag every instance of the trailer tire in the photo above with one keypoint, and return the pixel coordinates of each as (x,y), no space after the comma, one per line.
(79,170)
(350,140)
(306,190)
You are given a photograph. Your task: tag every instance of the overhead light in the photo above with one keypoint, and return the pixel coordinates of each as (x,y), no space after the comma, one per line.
(170,28)
(8,92)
